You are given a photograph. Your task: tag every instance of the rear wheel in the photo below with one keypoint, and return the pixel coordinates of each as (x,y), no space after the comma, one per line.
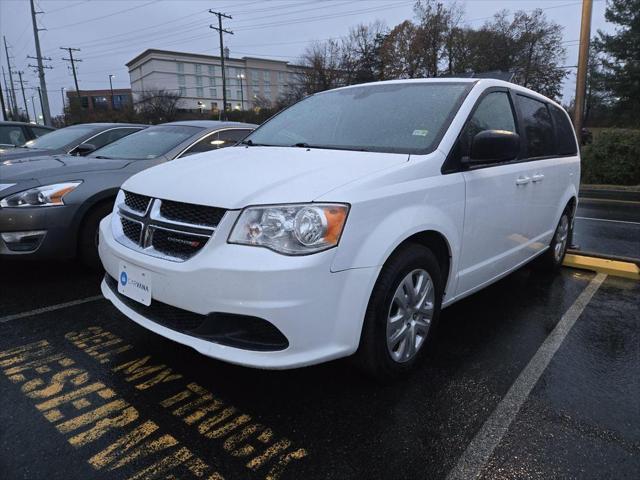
(552,259)
(402,313)
(88,239)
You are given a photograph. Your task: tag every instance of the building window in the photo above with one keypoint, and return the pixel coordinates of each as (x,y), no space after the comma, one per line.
(199,92)
(180,67)
(266,76)
(228,93)
(212,81)
(254,77)
(182,91)
(281,79)
(238,93)
(213,93)
(198,68)
(199,81)
(212,70)
(256,92)
(182,80)
(238,106)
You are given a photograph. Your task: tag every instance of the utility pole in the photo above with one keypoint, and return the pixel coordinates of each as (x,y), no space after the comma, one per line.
(111,88)
(221,31)
(63,102)
(73,65)
(4,110)
(13,88)
(46,114)
(583,59)
(24,97)
(9,100)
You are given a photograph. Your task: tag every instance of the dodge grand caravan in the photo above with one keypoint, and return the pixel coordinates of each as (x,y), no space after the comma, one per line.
(345,223)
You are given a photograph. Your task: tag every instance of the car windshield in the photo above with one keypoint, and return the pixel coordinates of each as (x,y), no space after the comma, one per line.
(152,142)
(396,117)
(63,137)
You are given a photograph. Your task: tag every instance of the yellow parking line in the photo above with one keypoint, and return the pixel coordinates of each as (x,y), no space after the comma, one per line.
(615,268)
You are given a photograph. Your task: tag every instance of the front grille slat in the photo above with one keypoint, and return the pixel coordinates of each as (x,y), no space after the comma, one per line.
(177,244)
(190,213)
(136,202)
(131,229)
(166,228)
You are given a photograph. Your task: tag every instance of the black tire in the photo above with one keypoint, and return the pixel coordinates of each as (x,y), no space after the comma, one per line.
(88,236)
(374,356)
(551,260)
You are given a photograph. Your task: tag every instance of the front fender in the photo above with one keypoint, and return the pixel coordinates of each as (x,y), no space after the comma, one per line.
(376,227)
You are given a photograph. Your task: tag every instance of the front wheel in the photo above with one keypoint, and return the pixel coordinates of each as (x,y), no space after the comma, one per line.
(88,237)
(402,313)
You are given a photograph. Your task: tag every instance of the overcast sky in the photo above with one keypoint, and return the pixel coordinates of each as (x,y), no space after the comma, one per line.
(112,32)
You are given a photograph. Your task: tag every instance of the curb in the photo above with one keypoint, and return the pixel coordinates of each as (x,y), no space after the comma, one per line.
(609,194)
(616,268)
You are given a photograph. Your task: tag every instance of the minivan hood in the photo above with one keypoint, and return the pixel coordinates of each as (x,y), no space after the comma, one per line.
(235,177)
(54,165)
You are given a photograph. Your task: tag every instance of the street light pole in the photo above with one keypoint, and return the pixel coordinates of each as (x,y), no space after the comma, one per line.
(241,77)
(111,88)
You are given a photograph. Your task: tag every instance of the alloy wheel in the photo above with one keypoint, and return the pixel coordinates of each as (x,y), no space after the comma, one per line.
(410,315)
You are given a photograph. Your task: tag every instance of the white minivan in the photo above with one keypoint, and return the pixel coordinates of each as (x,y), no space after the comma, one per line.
(345,223)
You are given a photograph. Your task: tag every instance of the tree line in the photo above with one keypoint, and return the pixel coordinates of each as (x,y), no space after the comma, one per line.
(437,42)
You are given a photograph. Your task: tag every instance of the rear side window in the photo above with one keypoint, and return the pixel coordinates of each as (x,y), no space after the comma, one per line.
(11,135)
(110,136)
(538,127)
(565,140)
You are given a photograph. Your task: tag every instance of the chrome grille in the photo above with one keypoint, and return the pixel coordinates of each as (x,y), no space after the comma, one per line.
(175,232)
(136,202)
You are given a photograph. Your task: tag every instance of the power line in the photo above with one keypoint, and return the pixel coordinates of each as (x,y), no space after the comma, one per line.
(88,20)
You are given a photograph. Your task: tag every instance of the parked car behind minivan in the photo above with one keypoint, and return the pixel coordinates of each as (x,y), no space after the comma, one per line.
(345,223)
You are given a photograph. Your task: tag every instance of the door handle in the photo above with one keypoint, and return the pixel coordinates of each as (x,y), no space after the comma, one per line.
(522,180)
(538,177)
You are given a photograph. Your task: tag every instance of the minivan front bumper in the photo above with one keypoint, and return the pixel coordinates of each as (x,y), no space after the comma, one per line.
(320,313)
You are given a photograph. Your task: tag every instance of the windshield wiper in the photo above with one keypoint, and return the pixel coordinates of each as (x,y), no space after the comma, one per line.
(251,143)
(329,147)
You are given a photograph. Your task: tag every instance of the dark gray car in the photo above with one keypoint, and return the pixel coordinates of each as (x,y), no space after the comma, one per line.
(50,206)
(16,134)
(75,140)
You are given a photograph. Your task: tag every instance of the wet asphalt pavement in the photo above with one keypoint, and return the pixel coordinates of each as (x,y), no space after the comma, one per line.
(608,226)
(89,394)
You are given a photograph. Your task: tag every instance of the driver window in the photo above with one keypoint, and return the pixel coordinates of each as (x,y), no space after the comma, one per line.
(493,113)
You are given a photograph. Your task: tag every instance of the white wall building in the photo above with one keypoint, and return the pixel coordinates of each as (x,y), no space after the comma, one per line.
(198,78)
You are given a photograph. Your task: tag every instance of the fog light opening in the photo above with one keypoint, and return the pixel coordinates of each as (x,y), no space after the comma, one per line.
(23,241)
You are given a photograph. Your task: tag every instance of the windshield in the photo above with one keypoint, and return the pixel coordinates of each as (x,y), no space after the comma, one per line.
(63,137)
(395,118)
(150,143)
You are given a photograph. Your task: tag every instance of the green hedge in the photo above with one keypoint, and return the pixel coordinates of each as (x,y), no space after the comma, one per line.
(613,158)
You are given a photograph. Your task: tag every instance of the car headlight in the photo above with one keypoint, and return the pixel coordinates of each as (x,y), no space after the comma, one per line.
(291,229)
(45,196)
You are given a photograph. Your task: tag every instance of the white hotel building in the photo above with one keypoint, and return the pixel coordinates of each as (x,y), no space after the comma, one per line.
(198,78)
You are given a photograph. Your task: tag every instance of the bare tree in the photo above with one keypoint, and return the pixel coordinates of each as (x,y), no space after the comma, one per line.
(158,105)
(322,62)
(361,53)
(400,53)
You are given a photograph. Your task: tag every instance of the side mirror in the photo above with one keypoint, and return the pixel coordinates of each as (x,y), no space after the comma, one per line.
(492,146)
(84,149)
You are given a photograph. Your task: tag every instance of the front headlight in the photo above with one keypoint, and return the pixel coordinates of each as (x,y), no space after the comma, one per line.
(291,229)
(45,196)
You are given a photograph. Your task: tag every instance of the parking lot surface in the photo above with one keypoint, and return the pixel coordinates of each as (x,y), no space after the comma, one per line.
(512,389)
